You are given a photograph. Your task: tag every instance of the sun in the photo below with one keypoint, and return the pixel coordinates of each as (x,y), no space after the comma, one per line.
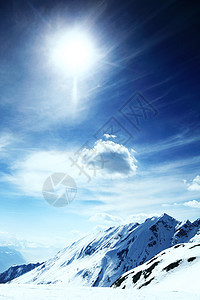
(73,52)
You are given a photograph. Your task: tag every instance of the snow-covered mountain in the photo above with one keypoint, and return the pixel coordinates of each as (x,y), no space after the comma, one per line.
(16,271)
(9,257)
(177,267)
(100,259)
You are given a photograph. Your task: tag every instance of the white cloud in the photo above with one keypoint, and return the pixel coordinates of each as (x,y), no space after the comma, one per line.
(193,204)
(104,217)
(110,158)
(172,204)
(195,185)
(109,136)
(121,197)
(108,218)
(140,217)
(30,173)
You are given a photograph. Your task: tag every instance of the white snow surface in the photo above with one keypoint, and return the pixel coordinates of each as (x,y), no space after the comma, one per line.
(100,259)
(176,268)
(55,292)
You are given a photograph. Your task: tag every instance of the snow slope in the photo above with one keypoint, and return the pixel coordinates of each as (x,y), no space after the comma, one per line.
(176,268)
(54,292)
(99,260)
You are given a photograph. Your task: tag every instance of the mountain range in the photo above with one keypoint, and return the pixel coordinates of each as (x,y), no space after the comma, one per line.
(9,256)
(16,271)
(100,259)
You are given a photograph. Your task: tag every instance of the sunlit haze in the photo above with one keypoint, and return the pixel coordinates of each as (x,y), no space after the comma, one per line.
(73,52)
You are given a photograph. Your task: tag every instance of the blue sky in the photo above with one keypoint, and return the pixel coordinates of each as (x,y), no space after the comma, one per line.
(147,51)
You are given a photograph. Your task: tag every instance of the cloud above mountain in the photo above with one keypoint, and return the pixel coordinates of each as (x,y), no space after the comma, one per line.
(112,159)
(193,204)
(29,173)
(99,217)
(194,185)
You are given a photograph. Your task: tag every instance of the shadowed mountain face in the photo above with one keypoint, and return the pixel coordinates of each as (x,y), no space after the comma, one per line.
(9,257)
(100,259)
(16,271)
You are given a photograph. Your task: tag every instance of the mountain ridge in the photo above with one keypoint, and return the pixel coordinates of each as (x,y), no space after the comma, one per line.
(176,266)
(99,259)
(16,271)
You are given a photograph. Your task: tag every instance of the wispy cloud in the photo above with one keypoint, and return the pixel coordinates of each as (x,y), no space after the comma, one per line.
(141,217)
(28,174)
(6,139)
(177,165)
(174,141)
(193,204)
(130,191)
(104,217)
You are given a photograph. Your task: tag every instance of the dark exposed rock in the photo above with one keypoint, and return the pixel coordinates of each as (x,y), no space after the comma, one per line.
(198,245)
(191,259)
(137,276)
(148,271)
(172,265)
(146,283)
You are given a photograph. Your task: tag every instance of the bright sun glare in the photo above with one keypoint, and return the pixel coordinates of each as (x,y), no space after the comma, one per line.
(73,52)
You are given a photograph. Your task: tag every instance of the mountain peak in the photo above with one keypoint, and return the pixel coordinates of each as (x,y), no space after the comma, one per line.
(166,217)
(196,222)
